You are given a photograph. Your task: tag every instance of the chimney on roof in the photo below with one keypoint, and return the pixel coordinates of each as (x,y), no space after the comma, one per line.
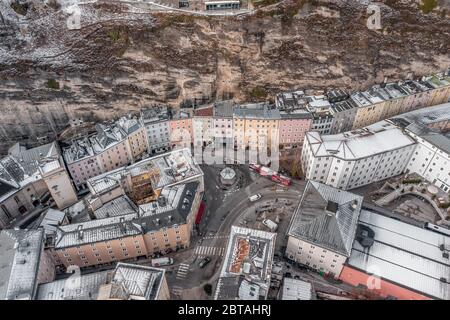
(157,221)
(80,234)
(354,204)
(332,208)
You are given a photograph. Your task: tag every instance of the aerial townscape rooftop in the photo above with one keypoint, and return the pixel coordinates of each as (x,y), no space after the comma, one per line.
(226,151)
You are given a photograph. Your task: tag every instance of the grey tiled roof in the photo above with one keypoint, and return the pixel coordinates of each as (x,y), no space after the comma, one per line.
(418,122)
(126,219)
(256,111)
(60,290)
(332,230)
(139,281)
(22,163)
(223,109)
(131,281)
(20,252)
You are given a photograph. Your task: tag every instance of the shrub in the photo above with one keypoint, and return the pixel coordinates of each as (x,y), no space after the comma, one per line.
(20,8)
(208,289)
(428,5)
(444,205)
(258,93)
(114,35)
(53,84)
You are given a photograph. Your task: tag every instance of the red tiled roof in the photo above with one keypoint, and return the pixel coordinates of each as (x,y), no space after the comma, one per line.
(204,112)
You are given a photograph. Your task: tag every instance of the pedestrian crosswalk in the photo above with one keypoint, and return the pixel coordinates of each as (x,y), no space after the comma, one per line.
(177,290)
(182,271)
(215,237)
(204,251)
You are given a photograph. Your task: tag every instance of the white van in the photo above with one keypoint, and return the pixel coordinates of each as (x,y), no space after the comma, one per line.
(255,197)
(162,262)
(270,224)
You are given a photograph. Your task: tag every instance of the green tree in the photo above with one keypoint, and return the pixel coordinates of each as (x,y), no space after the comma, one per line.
(428,5)
(208,289)
(52,84)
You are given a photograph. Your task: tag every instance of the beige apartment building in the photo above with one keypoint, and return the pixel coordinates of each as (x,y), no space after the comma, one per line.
(255,126)
(136,135)
(29,178)
(391,99)
(202,126)
(58,182)
(323,228)
(148,207)
(440,84)
(86,244)
(111,147)
(370,109)
(126,282)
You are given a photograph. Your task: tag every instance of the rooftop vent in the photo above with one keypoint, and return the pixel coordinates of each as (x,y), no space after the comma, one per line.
(354,204)
(332,207)
(157,221)
(365,236)
(80,234)
(24,244)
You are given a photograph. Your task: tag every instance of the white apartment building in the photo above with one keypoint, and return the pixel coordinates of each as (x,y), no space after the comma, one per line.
(353,159)
(202,128)
(431,157)
(323,228)
(156,122)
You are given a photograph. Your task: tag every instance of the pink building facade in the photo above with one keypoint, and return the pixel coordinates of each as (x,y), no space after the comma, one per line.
(181,130)
(292,130)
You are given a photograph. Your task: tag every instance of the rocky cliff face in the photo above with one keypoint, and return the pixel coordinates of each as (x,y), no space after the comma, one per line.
(124,57)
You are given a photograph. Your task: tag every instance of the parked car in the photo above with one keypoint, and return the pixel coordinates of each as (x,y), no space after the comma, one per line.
(204,262)
(255,197)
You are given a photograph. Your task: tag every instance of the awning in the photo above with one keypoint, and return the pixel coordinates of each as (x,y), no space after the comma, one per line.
(200,212)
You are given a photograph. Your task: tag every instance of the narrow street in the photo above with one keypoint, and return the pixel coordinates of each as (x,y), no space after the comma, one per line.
(226,208)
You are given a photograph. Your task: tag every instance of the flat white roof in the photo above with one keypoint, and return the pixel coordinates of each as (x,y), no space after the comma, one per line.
(294,289)
(374,139)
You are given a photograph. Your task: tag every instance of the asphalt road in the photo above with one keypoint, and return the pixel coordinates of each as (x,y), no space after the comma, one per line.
(224,208)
